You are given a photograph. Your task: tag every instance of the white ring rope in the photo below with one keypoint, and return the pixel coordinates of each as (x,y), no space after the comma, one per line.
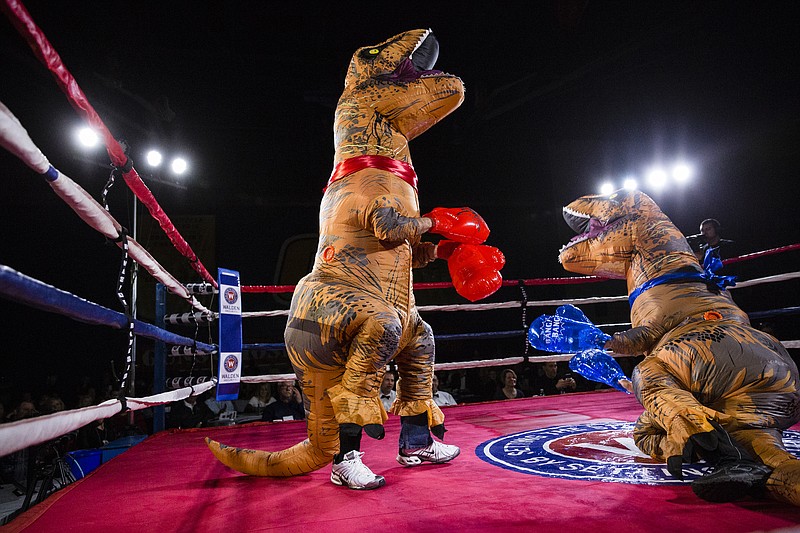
(15,436)
(15,139)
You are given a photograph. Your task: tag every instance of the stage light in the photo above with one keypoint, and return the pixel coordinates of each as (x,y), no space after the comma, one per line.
(682,172)
(606,188)
(154,158)
(179,165)
(87,137)
(657,177)
(629,184)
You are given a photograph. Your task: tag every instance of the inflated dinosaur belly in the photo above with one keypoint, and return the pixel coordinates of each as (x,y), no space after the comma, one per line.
(355,311)
(704,363)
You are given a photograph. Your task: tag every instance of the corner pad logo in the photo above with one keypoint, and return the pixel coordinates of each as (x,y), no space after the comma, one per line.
(600,451)
(231,363)
(231,295)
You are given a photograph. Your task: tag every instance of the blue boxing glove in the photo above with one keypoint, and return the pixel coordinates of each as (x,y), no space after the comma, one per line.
(598,366)
(573,313)
(567,331)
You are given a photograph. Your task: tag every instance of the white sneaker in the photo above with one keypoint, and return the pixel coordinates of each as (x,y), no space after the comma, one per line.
(436,452)
(355,474)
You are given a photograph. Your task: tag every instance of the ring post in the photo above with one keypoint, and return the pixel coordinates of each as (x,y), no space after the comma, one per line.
(230,335)
(160,359)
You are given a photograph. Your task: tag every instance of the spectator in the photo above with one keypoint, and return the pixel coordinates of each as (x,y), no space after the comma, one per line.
(25,409)
(440,397)
(43,404)
(289,405)
(262,398)
(490,387)
(388,393)
(93,435)
(188,414)
(708,240)
(508,386)
(217,407)
(550,380)
(51,404)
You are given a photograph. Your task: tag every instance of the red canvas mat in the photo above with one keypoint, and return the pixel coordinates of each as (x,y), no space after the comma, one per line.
(171,482)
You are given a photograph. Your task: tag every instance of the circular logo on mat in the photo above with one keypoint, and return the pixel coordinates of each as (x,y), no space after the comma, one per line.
(231,363)
(231,295)
(601,451)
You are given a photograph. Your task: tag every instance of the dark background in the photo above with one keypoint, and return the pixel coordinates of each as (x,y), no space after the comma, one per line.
(560,94)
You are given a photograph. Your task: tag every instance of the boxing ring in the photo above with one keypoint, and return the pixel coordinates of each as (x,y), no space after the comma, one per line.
(544,463)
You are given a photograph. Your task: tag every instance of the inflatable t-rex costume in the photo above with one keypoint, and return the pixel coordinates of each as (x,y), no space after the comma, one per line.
(707,374)
(355,311)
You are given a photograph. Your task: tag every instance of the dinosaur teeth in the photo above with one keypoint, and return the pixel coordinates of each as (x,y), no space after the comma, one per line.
(572,212)
(420,41)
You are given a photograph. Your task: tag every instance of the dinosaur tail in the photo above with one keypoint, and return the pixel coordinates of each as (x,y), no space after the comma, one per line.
(301,458)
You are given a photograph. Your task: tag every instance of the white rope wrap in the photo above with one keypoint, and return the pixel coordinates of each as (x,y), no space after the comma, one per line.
(91,212)
(15,139)
(15,436)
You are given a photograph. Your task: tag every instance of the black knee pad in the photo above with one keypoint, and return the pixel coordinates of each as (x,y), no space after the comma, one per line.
(349,430)
(415,420)
(375,431)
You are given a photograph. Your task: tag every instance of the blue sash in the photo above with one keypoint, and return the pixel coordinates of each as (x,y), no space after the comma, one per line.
(711,265)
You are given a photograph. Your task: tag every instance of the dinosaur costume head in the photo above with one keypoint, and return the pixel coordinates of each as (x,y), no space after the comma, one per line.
(623,235)
(391,95)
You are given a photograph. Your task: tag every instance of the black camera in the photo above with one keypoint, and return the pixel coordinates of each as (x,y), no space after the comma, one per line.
(695,239)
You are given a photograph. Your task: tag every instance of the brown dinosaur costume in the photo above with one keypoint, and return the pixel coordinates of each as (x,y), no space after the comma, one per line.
(707,374)
(355,311)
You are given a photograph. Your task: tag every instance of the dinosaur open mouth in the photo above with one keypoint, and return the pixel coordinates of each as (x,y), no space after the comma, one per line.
(406,72)
(418,64)
(586,226)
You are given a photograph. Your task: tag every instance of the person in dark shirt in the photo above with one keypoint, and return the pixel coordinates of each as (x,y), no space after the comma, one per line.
(708,240)
(289,405)
(508,386)
(188,413)
(550,380)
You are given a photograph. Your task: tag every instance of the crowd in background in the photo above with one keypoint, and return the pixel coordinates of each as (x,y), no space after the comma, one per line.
(465,386)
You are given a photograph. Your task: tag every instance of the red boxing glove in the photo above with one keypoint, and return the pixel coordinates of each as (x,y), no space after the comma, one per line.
(446,248)
(475,270)
(461,224)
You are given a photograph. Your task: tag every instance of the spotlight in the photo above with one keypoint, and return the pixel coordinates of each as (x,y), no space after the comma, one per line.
(154,158)
(629,184)
(682,172)
(179,165)
(87,137)
(606,188)
(657,177)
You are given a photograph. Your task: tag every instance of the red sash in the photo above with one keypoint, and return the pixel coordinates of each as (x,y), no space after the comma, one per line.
(402,170)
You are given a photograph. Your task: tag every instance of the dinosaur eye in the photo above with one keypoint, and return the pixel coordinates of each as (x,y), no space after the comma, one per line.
(370,53)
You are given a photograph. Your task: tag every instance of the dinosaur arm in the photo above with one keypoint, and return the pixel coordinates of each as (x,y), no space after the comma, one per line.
(635,341)
(390,226)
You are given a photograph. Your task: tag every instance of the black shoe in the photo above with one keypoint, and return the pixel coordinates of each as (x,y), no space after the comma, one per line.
(732,481)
